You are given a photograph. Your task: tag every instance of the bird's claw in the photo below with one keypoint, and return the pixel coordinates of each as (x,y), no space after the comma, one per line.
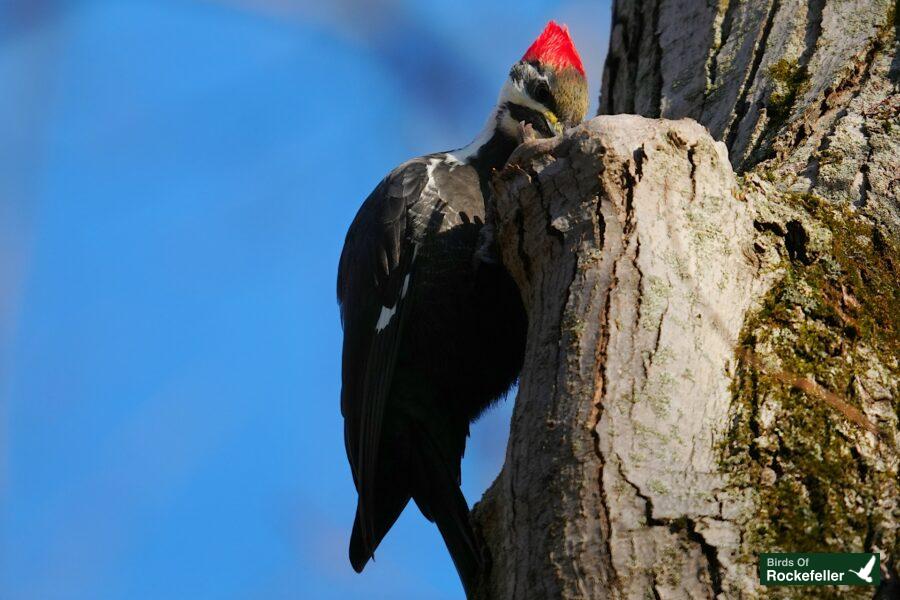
(526,132)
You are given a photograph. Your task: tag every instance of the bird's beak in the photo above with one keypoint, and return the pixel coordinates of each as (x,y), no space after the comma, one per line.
(553,122)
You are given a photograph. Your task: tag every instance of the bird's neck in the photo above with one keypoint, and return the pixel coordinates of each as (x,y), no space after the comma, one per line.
(493,154)
(490,150)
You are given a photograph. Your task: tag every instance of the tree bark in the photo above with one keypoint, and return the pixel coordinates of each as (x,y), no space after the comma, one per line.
(712,365)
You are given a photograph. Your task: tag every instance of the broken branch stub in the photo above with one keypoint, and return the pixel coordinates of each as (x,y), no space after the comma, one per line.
(629,244)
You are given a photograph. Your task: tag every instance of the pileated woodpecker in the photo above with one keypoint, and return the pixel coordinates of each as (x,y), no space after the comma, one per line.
(434,329)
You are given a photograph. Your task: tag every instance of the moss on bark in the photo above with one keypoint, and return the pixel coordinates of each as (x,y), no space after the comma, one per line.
(819,480)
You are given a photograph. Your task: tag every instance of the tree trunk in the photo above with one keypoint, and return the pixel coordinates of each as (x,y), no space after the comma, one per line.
(712,366)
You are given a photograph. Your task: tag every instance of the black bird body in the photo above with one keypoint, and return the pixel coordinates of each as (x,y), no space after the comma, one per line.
(434,328)
(457,337)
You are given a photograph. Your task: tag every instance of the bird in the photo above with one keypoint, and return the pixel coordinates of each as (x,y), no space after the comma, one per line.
(434,327)
(866,572)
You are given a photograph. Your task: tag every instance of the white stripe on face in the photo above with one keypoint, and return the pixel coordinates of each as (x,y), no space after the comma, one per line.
(514,90)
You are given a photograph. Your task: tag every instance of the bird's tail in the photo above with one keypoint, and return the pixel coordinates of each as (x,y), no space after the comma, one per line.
(391,502)
(440,499)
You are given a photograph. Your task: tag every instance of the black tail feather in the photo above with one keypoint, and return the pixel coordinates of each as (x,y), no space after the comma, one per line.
(387,511)
(425,467)
(440,499)
(451,514)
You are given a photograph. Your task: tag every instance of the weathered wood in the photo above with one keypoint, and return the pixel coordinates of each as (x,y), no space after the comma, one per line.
(631,249)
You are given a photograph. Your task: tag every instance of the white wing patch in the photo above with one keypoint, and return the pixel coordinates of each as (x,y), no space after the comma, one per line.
(405,286)
(385,317)
(431,186)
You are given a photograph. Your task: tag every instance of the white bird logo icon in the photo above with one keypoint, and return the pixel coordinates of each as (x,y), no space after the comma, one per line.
(864,573)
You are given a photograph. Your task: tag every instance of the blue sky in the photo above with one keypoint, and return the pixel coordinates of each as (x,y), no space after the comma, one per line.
(176,178)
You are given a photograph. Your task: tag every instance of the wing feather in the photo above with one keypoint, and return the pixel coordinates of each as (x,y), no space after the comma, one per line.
(374,276)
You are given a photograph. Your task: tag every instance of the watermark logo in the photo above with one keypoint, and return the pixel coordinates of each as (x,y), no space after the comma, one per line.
(793,568)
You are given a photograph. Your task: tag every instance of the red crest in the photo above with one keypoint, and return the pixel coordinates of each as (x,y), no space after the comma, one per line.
(555,47)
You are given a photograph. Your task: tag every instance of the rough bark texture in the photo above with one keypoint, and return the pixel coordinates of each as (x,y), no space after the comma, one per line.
(712,364)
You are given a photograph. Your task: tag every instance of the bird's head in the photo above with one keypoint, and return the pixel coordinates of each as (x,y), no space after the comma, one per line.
(547,88)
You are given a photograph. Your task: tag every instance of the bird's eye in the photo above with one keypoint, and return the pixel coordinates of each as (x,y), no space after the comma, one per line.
(541,94)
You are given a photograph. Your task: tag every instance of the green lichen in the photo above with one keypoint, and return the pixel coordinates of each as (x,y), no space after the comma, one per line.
(658,487)
(657,393)
(790,81)
(656,297)
(890,24)
(825,320)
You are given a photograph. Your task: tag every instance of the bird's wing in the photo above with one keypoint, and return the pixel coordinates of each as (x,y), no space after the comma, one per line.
(868,568)
(375,276)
